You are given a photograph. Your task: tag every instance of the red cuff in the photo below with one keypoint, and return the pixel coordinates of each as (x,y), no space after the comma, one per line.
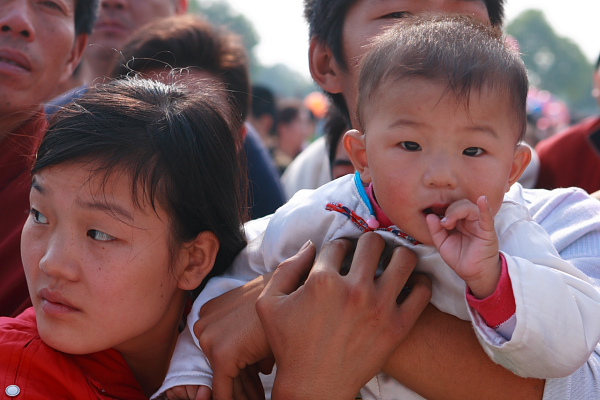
(498,307)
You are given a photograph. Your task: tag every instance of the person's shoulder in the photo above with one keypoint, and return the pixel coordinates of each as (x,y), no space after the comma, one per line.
(23,324)
(338,190)
(571,136)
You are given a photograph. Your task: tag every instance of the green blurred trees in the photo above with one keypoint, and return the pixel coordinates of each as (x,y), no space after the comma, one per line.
(284,81)
(555,63)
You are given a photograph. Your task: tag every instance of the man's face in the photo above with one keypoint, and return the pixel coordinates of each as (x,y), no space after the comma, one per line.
(366,19)
(118,19)
(38,48)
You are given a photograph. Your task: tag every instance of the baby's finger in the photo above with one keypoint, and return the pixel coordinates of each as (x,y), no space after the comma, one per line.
(486,220)
(460,210)
(437,232)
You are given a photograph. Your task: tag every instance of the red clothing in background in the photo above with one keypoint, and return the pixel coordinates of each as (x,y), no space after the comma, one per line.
(570,159)
(37,371)
(16,153)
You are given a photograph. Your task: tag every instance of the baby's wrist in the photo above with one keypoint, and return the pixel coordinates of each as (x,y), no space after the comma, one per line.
(485,284)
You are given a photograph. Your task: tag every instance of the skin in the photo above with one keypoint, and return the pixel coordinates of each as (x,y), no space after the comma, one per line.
(38,49)
(118,19)
(92,258)
(430,156)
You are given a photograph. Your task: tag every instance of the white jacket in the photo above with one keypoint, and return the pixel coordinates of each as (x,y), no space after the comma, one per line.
(555,328)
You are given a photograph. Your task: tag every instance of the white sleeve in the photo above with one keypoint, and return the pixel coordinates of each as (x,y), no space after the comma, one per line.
(582,384)
(557,307)
(189,366)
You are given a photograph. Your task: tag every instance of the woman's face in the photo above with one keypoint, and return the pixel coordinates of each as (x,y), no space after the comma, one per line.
(98,267)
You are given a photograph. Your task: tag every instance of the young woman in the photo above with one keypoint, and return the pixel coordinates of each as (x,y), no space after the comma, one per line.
(128,216)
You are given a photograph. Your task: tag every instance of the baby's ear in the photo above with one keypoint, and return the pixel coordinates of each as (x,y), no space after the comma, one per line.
(521,160)
(198,258)
(356,147)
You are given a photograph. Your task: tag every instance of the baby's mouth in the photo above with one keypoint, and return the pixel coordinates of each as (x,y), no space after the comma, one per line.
(439,211)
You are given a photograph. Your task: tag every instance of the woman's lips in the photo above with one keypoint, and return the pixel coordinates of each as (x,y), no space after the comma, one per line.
(54,303)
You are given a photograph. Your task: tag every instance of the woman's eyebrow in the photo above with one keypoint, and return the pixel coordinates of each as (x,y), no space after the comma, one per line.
(37,185)
(112,209)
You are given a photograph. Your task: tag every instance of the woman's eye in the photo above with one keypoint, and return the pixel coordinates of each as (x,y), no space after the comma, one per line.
(99,235)
(38,217)
(398,14)
(410,146)
(473,151)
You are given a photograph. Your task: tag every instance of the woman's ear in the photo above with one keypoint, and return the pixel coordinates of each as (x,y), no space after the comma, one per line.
(198,258)
(521,160)
(323,66)
(356,146)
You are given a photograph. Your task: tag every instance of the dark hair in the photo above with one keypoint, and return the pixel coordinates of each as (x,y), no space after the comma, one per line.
(326,18)
(335,127)
(187,41)
(288,110)
(456,50)
(177,144)
(263,101)
(86,12)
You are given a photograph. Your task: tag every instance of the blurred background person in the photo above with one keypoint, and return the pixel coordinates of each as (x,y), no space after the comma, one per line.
(202,50)
(572,157)
(263,113)
(295,127)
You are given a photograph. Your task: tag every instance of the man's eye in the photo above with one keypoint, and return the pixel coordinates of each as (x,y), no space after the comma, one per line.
(398,14)
(473,151)
(38,217)
(52,5)
(99,235)
(410,146)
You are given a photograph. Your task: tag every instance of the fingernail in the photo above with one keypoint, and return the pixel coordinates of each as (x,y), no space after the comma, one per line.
(305,246)
(444,220)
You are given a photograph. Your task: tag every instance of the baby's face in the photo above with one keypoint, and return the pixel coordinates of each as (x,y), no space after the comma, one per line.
(425,150)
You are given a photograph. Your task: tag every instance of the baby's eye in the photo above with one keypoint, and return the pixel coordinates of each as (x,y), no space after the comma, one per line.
(99,235)
(398,14)
(473,151)
(410,146)
(38,217)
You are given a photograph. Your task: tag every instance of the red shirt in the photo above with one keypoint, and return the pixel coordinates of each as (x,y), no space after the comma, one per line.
(16,155)
(569,158)
(37,371)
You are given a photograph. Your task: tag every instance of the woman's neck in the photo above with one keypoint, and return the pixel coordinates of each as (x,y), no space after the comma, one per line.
(148,357)
(150,365)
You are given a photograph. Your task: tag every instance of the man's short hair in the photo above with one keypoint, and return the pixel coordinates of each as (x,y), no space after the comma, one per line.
(326,18)
(86,12)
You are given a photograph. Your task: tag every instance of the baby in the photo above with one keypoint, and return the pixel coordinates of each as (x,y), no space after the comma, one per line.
(441,109)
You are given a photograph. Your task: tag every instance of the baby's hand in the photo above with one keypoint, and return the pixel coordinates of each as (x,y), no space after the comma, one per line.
(467,241)
(189,392)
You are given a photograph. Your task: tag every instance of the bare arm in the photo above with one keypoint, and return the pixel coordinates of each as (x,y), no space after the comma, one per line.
(442,359)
